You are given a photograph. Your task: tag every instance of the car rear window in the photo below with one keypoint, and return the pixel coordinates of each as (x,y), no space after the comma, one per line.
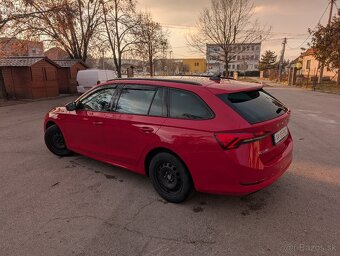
(254,106)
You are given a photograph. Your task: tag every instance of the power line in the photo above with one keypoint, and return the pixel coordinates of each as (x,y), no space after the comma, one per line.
(323,14)
(276,33)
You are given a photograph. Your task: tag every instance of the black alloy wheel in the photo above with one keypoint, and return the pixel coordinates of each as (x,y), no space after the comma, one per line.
(55,141)
(170,177)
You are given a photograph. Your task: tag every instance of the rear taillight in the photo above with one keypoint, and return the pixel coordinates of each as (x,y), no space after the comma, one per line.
(234,140)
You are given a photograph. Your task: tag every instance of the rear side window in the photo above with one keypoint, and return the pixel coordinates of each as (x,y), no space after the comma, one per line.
(254,106)
(186,105)
(135,101)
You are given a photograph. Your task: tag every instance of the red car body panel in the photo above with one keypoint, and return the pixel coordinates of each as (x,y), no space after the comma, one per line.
(126,140)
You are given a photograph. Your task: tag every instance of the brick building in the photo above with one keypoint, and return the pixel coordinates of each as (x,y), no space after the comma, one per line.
(17,47)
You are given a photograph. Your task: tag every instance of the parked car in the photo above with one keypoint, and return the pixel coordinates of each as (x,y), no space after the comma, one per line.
(224,138)
(86,79)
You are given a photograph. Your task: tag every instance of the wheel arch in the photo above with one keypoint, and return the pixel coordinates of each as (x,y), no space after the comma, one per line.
(49,123)
(158,150)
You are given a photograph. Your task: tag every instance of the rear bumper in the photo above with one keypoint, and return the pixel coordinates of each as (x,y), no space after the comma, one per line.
(235,174)
(276,171)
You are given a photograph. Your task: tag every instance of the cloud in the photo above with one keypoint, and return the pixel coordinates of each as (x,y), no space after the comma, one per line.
(288,18)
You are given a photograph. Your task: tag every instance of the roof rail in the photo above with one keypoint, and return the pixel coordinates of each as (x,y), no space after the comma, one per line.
(158,79)
(210,77)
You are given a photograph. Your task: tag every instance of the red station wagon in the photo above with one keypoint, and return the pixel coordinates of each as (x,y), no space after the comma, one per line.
(221,137)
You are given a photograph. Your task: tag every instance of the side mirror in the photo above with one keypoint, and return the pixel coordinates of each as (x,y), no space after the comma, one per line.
(71,106)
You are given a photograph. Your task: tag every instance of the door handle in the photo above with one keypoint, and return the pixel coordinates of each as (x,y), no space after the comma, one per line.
(146,129)
(97,123)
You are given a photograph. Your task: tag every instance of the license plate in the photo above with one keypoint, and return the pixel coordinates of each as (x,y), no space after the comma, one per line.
(280,135)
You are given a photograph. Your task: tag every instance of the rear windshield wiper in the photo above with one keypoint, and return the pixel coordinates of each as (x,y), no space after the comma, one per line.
(279,110)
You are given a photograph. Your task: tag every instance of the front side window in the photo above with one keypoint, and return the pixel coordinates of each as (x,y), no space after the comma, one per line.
(186,105)
(98,101)
(135,100)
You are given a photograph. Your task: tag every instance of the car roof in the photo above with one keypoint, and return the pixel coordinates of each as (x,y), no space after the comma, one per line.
(216,87)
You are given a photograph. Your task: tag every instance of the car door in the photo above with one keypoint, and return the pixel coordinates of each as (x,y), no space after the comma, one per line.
(139,113)
(85,128)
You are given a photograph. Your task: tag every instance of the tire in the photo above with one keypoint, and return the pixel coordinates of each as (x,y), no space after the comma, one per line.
(170,177)
(55,141)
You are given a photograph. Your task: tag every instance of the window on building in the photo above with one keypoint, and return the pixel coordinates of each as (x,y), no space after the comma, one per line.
(252,48)
(308,64)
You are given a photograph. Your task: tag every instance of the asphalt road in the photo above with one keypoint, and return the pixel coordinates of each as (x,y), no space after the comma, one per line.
(78,206)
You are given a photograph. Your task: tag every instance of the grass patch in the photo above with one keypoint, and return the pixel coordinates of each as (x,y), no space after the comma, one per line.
(328,87)
(247,79)
(324,87)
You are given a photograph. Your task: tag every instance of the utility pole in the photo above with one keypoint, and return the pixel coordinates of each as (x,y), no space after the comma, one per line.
(282,58)
(170,64)
(331,12)
(322,66)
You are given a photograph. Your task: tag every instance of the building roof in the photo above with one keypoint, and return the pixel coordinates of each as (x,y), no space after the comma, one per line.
(56,53)
(23,61)
(14,39)
(309,52)
(245,44)
(67,63)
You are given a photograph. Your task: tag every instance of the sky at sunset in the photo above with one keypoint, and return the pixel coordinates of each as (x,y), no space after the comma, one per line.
(287,18)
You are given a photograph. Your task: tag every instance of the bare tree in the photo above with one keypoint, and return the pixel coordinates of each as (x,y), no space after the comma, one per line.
(151,39)
(72,27)
(227,22)
(13,12)
(120,19)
